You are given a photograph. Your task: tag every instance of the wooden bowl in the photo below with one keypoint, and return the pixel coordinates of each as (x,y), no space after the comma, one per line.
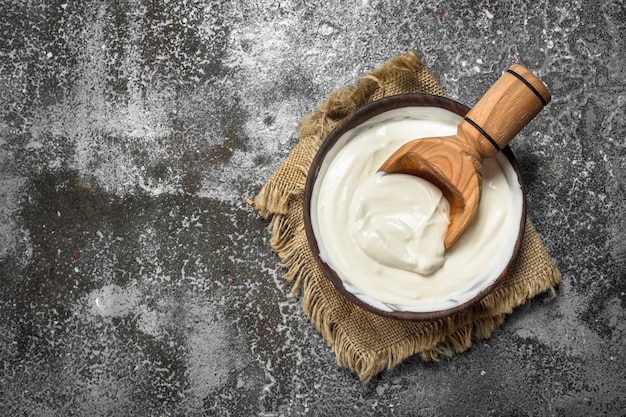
(357,118)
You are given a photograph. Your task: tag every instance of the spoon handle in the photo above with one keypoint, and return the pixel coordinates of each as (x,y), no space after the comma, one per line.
(509,105)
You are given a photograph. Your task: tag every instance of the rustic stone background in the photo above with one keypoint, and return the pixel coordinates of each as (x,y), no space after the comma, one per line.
(135,279)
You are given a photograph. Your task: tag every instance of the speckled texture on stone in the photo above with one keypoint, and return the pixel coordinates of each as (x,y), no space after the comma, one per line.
(136,280)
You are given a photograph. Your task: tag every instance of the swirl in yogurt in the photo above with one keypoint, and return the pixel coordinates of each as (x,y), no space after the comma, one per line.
(400,221)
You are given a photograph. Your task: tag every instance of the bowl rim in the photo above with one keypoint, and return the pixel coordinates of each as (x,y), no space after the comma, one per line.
(354,119)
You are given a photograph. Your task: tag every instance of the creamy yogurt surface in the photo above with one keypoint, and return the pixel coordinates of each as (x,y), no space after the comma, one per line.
(400,221)
(383,234)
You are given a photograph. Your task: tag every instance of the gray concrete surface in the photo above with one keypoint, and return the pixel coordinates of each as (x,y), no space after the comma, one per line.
(135,280)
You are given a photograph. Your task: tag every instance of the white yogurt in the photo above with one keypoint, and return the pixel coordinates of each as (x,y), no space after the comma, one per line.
(389,263)
(400,221)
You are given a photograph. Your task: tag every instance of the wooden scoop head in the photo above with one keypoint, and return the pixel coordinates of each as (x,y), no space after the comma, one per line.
(453,163)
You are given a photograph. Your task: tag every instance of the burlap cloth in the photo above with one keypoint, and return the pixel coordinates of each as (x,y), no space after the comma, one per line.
(362,341)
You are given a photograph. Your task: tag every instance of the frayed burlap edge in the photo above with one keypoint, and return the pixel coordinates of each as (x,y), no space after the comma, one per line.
(344,325)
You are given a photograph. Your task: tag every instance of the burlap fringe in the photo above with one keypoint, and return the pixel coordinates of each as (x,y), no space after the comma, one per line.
(289,250)
(431,337)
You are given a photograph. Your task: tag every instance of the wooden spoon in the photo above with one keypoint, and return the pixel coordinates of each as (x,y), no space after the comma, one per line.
(453,163)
